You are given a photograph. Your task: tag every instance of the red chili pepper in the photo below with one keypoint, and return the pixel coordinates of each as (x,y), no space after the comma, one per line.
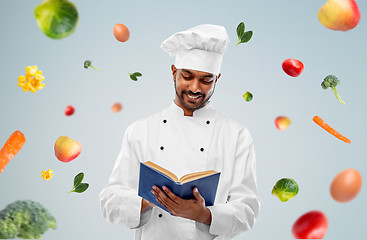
(311,225)
(292,67)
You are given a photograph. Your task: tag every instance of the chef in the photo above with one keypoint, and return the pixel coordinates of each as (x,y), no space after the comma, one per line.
(189,136)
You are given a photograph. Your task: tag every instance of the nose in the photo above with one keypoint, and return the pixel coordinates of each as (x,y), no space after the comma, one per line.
(195,86)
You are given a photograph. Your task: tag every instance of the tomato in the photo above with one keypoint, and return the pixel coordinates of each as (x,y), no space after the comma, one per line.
(311,225)
(292,67)
(69,110)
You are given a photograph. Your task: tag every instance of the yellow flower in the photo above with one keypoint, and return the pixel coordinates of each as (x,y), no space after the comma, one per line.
(32,79)
(47,175)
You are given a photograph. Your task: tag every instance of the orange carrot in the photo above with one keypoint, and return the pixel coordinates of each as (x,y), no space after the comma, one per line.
(11,148)
(331,130)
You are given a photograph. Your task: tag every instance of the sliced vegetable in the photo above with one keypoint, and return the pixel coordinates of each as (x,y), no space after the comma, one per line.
(57,19)
(11,147)
(329,129)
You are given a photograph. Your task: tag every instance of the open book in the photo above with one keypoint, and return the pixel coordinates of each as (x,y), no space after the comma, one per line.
(153,174)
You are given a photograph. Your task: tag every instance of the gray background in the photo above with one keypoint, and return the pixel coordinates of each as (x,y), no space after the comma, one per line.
(282,29)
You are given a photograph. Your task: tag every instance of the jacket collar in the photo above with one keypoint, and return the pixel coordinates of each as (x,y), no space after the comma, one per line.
(206,111)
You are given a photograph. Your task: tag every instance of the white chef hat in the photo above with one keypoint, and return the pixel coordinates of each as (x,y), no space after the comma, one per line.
(199,48)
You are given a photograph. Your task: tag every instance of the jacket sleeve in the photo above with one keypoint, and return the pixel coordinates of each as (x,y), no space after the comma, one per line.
(119,200)
(239,213)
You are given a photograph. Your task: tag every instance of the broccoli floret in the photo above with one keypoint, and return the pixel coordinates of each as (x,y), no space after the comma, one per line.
(25,219)
(332,81)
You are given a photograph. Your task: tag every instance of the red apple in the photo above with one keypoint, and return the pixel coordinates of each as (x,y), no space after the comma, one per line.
(282,122)
(67,149)
(341,15)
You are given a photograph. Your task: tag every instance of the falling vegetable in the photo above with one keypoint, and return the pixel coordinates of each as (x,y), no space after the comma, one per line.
(332,81)
(47,175)
(79,187)
(285,189)
(57,19)
(25,219)
(292,67)
(88,63)
(247,96)
(329,129)
(243,37)
(32,79)
(134,75)
(11,148)
(311,225)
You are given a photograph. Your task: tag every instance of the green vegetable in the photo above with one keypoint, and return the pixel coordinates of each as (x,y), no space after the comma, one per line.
(134,75)
(247,96)
(332,81)
(88,63)
(79,187)
(57,19)
(285,189)
(243,37)
(25,219)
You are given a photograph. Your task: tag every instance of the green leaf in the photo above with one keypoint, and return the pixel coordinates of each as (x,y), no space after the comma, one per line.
(137,74)
(133,77)
(246,37)
(240,30)
(78,179)
(81,187)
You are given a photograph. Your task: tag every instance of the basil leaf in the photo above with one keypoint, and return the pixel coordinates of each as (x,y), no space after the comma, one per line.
(137,74)
(78,179)
(81,187)
(240,30)
(246,37)
(133,77)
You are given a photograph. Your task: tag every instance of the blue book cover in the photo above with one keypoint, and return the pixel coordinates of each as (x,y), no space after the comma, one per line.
(149,176)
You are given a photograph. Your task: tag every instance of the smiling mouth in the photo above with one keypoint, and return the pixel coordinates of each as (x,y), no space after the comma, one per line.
(194,98)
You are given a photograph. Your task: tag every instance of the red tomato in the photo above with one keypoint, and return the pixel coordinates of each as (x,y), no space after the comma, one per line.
(69,110)
(311,225)
(292,67)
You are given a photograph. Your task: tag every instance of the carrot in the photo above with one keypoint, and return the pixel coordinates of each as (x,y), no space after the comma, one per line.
(11,148)
(331,130)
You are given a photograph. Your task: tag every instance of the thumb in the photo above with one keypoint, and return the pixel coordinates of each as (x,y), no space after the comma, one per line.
(197,194)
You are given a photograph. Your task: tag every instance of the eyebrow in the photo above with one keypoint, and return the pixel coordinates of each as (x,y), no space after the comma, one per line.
(205,76)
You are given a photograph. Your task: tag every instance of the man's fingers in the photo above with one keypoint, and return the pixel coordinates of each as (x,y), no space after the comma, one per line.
(162,197)
(171,195)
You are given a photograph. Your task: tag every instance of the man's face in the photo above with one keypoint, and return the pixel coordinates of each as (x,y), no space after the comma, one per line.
(193,88)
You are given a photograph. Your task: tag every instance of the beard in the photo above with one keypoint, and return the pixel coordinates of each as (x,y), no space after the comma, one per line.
(193,106)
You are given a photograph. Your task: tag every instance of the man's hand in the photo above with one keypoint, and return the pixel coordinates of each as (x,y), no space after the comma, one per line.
(193,209)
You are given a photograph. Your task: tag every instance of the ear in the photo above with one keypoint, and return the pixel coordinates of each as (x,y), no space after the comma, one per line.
(218,77)
(174,71)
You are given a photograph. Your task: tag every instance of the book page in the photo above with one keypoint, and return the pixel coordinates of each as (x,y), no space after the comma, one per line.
(193,176)
(162,170)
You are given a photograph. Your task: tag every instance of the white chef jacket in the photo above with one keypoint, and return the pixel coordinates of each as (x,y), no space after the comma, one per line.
(184,144)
